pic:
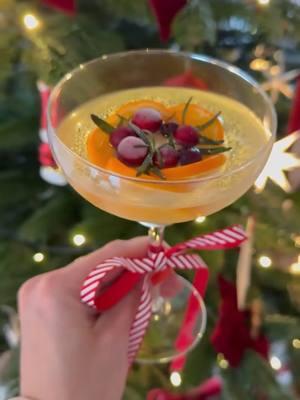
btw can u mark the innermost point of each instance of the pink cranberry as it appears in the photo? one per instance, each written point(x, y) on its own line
point(168, 156)
point(147, 118)
point(169, 128)
point(186, 135)
point(119, 134)
point(189, 156)
point(132, 151)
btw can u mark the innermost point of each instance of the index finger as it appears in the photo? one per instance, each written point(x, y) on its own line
point(77, 271)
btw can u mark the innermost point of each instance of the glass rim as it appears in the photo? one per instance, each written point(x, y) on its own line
point(222, 64)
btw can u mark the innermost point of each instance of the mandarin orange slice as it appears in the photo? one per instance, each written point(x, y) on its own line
point(98, 148)
point(171, 174)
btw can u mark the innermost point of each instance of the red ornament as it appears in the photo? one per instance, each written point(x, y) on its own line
point(187, 79)
point(294, 118)
point(165, 12)
point(48, 168)
point(45, 156)
point(209, 388)
point(231, 336)
point(67, 6)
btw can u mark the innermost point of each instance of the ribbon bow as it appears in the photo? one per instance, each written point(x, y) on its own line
point(151, 270)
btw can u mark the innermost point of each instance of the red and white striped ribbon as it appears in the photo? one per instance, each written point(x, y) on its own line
point(144, 268)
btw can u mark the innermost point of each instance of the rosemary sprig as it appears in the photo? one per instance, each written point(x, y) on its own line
point(168, 134)
point(103, 125)
point(209, 122)
point(159, 158)
point(214, 150)
point(122, 120)
point(171, 140)
point(156, 171)
point(145, 166)
point(141, 134)
point(184, 111)
point(152, 144)
point(204, 140)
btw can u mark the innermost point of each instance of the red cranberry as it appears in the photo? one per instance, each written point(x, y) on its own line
point(132, 151)
point(147, 118)
point(186, 135)
point(119, 134)
point(189, 156)
point(168, 156)
point(169, 128)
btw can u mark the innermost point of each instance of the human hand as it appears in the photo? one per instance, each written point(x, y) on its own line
point(69, 352)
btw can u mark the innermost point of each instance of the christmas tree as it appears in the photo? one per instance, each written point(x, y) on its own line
point(45, 224)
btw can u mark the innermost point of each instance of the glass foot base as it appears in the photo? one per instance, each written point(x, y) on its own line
point(177, 324)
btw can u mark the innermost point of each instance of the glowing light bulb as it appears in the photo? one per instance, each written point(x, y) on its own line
point(296, 343)
point(275, 363)
point(31, 22)
point(263, 2)
point(222, 362)
point(297, 241)
point(79, 239)
point(265, 261)
point(175, 378)
point(200, 220)
point(259, 64)
point(38, 257)
point(295, 267)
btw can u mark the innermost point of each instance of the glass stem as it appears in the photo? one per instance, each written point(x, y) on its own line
point(156, 237)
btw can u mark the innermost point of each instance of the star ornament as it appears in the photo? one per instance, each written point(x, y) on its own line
point(277, 79)
point(279, 161)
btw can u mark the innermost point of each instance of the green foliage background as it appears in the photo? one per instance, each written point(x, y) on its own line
point(38, 217)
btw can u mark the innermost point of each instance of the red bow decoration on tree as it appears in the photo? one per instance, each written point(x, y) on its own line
point(232, 334)
point(150, 270)
point(187, 79)
point(67, 6)
point(165, 12)
point(294, 117)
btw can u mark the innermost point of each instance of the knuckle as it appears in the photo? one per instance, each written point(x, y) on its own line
point(39, 292)
point(27, 290)
point(115, 245)
point(50, 286)
point(118, 243)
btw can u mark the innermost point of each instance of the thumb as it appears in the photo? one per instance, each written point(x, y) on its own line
point(118, 320)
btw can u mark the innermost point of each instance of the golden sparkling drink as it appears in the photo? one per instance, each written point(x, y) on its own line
point(163, 202)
